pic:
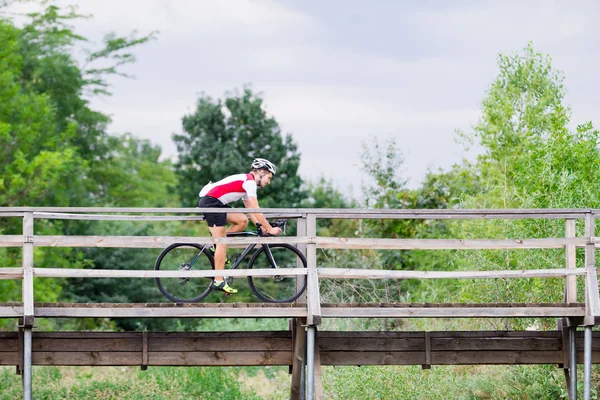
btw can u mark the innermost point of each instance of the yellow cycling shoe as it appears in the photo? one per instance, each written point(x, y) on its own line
point(224, 287)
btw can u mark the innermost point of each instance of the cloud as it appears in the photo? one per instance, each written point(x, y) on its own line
point(190, 20)
point(337, 74)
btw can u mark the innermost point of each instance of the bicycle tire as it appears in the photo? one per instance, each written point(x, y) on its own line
point(172, 258)
point(270, 290)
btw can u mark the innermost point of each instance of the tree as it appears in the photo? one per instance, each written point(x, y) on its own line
point(530, 160)
point(222, 138)
point(55, 151)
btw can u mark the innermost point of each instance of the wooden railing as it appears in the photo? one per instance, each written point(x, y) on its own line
point(309, 242)
point(311, 309)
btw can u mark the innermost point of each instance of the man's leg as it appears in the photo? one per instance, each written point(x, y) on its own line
point(238, 221)
point(221, 249)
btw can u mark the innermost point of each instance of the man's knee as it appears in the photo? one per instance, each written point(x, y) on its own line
point(240, 221)
point(243, 220)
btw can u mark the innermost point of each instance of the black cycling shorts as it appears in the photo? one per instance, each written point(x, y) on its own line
point(213, 219)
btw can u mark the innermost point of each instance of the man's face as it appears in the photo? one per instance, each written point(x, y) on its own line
point(264, 178)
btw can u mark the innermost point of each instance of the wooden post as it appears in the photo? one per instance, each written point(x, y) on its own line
point(313, 297)
point(571, 282)
point(427, 364)
point(592, 302)
point(592, 299)
point(299, 345)
point(28, 313)
point(301, 232)
point(144, 350)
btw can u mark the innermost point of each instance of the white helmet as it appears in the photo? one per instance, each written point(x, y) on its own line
point(261, 163)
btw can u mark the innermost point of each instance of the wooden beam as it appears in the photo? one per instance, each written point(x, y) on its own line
point(164, 312)
point(11, 240)
point(352, 273)
point(11, 273)
point(444, 358)
point(222, 359)
point(284, 358)
point(151, 241)
point(332, 212)
point(108, 273)
point(275, 348)
point(454, 312)
point(446, 244)
point(101, 217)
point(11, 358)
point(209, 310)
point(11, 311)
point(8, 214)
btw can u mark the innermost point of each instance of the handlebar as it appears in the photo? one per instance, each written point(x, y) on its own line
point(280, 223)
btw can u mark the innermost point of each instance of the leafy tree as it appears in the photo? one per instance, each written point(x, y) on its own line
point(55, 150)
point(222, 137)
point(531, 160)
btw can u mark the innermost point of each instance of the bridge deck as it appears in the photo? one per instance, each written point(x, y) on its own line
point(276, 348)
point(255, 310)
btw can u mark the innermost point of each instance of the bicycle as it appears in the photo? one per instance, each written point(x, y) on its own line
point(271, 289)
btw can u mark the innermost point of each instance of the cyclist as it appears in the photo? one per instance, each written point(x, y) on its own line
point(225, 191)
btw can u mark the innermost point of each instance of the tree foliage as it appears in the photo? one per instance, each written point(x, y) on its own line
point(531, 159)
point(222, 137)
point(54, 149)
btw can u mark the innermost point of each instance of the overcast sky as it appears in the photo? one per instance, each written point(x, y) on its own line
point(335, 74)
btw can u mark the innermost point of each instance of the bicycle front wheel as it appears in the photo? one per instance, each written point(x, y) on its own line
point(278, 289)
point(184, 257)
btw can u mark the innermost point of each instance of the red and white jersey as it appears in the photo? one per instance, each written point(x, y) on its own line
point(232, 188)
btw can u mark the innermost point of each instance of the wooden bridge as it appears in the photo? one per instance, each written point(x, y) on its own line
point(301, 347)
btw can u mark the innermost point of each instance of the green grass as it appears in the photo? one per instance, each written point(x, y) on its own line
point(271, 383)
point(128, 383)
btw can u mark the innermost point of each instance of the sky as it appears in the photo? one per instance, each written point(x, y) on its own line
point(338, 75)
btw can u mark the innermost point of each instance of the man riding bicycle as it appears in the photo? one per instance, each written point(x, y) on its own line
point(223, 192)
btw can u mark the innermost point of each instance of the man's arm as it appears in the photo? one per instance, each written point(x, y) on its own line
point(252, 202)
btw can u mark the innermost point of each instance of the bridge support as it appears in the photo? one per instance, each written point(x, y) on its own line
point(310, 363)
point(27, 364)
point(587, 364)
point(572, 383)
point(314, 385)
point(297, 389)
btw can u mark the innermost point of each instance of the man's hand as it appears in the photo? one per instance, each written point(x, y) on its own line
point(274, 231)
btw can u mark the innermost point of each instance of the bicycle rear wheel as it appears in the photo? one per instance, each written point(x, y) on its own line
point(278, 289)
point(181, 257)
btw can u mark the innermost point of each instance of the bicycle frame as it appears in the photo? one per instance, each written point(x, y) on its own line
point(248, 249)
